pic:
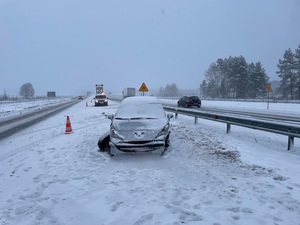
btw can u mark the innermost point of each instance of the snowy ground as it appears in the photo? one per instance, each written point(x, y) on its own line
point(207, 177)
point(14, 109)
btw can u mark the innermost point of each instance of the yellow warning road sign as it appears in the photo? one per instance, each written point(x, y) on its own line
point(269, 88)
point(143, 88)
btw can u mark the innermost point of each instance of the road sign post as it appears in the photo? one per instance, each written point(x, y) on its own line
point(143, 88)
point(268, 90)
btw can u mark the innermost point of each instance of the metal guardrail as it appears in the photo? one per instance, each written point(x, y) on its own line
point(273, 127)
point(18, 122)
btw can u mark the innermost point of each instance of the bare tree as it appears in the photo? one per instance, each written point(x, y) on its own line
point(26, 90)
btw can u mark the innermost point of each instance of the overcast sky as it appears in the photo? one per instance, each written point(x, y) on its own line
point(68, 46)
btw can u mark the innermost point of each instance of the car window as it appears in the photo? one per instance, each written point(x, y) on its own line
point(194, 98)
point(100, 96)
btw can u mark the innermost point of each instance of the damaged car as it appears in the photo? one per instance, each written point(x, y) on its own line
point(140, 124)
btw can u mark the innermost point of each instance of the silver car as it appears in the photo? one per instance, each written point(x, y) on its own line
point(140, 124)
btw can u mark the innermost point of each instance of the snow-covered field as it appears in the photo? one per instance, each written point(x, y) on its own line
point(14, 109)
point(207, 176)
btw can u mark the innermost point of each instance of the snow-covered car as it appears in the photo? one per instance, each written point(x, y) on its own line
point(140, 124)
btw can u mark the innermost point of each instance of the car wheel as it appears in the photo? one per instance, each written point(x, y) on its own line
point(103, 143)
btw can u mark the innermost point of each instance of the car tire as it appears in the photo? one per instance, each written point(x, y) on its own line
point(103, 143)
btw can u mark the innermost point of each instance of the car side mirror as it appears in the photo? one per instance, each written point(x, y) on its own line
point(169, 115)
point(110, 116)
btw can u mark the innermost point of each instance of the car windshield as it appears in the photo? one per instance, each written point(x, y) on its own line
point(100, 96)
point(140, 108)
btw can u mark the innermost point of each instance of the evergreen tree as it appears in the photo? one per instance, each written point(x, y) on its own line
point(297, 61)
point(258, 80)
point(287, 74)
point(203, 89)
point(252, 81)
point(222, 68)
point(238, 76)
point(213, 81)
point(171, 90)
point(263, 79)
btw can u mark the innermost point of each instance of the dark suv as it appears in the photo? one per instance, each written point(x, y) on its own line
point(189, 101)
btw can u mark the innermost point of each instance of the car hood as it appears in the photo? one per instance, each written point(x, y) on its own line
point(139, 124)
point(139, 129)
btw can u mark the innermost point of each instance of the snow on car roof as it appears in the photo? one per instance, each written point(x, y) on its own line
point(140, 100)
point(140, 107)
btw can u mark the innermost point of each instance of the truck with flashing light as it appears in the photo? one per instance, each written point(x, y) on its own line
point(100, 97)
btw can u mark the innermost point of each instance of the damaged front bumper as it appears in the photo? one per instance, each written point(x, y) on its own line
point(138, 146)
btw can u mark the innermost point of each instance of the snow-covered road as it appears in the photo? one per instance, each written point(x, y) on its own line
point(207, 177)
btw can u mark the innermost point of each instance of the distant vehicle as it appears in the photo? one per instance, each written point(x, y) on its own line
point(189, 101)
point(99, 89)
point(140, 124)
point(101, 100)
point(128, 92)
point(80, 97)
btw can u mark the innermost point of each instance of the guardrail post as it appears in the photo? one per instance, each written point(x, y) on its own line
point(196, 120)
point(228, 128)
point(290, 142)
point(176, 115)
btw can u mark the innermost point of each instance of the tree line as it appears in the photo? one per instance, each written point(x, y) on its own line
point(233, 77)
point(171, 90)
point(289, 74)
point(26, 90)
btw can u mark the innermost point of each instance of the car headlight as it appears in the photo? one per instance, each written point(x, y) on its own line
point(164, 131)
point(115, 134)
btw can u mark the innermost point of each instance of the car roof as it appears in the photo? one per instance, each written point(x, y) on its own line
point(140, 100)
point(140, 107)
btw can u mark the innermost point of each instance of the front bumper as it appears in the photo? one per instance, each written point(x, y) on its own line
point(101, 103)
point(145, 146)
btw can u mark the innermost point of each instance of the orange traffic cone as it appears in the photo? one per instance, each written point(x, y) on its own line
point(68, 126)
